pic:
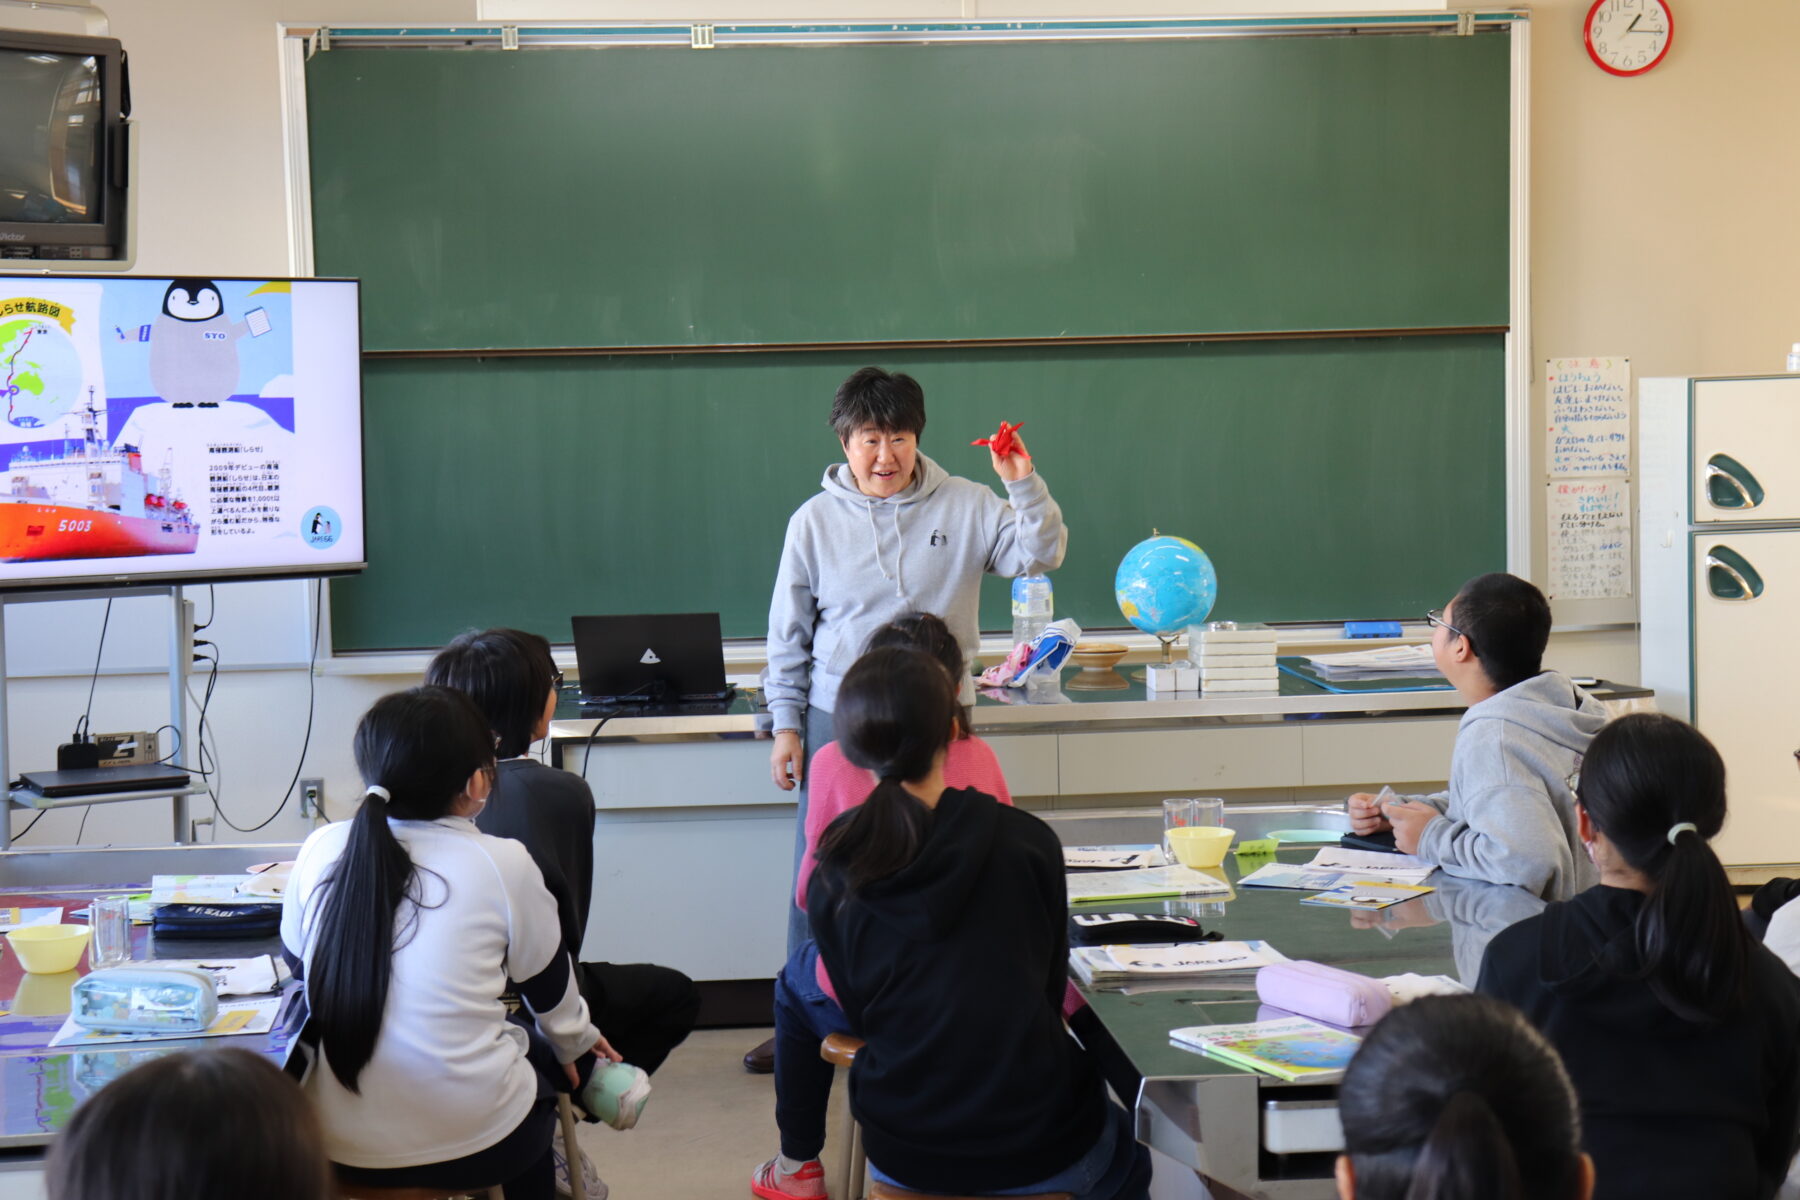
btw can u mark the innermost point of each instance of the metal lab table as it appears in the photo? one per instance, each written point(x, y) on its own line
point(693, 840)
point(1207, 1114)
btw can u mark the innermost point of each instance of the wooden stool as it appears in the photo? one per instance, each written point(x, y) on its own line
point(839, 1050)
point(565, 1115)
point(889, 1191)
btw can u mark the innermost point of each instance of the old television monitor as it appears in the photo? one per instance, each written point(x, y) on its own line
point(64, 154)
point(172, 430)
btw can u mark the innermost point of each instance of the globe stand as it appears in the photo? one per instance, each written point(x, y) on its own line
point(1168, 641)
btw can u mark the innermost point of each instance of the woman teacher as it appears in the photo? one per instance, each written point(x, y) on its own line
point(890, 532)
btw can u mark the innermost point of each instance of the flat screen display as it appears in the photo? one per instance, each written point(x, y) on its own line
point(52, 138)
point(163, 430)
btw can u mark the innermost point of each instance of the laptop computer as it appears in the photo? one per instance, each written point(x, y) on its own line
point(94, 781)
point(650, 658)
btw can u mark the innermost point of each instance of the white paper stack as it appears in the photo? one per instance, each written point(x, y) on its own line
point(1388, 662)
point(1234, 658)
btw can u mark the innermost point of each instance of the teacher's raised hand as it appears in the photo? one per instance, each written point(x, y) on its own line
point(1014, 466)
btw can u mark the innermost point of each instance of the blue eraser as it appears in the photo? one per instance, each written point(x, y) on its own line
point(1371, 629)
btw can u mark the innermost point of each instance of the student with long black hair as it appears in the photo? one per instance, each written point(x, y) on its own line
point(1681, 1032)
point(1458, 1098)
point(941, 916)
point(406, 923)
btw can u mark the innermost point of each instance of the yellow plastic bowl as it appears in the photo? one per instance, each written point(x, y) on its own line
point(48, 949)
point(1199, 846)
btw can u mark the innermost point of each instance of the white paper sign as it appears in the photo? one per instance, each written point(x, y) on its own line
point(1590, 539)
point(1588, 405)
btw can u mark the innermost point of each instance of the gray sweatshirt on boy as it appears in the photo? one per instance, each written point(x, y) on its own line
point(1510, 813)
point(851, 563)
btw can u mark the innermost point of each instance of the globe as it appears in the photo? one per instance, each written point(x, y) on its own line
point(1165, 584)
point(40, 372)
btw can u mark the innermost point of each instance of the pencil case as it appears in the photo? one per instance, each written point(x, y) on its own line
point(1323, 993)
point(144, 1000)
point(217, 921)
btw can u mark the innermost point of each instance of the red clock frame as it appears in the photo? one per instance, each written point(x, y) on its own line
point(1587, 39)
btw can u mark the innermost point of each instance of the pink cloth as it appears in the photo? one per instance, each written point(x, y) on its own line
point(835, 785)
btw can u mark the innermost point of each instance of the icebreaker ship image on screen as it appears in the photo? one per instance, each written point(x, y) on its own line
point(169, 430)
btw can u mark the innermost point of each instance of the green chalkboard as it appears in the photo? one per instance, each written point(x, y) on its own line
point(645, 196)
point(1333, 478)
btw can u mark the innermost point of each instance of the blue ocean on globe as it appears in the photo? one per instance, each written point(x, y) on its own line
point(1166, 584)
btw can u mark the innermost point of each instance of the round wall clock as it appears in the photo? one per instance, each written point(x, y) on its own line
point(1628, 37)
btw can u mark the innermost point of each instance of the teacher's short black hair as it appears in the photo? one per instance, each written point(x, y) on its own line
point(890, 402)
point(1507, 622)
point(508, 673)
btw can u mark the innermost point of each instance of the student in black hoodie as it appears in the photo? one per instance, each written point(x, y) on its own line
point(941, 916)
point(1681, 1032)
point(647, 1009)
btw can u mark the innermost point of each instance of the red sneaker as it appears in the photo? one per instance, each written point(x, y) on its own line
point(808, 1183)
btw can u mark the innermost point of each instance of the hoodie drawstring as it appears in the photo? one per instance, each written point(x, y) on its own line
point(896, 577)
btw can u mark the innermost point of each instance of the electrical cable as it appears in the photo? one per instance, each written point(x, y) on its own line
point(82, 727)
point(306, 740)
point(212, 609)
point(80, 829)
point(587, 755)
point(28, 825)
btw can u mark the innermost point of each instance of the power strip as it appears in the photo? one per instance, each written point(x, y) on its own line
point(126, 749)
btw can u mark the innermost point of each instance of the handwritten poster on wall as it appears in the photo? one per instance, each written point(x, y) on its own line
point(1590, 539)
point(1588, 406)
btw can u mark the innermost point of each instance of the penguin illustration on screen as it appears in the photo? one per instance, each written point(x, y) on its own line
point(193, 346)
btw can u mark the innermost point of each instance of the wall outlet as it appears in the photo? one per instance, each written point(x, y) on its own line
point(312, 797)
point(126, 749)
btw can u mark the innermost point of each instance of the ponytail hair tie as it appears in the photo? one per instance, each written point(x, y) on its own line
point(375, 789)
point(1677, 830)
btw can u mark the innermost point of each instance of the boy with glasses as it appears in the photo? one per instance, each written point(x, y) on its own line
point(1509, 815)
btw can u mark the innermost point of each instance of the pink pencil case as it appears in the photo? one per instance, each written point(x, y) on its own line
point(1323, 993)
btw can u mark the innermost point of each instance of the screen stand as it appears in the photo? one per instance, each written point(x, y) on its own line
point(181, 657)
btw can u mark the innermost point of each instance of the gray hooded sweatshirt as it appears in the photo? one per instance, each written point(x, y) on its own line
point(851, 563)
point(1510, 810)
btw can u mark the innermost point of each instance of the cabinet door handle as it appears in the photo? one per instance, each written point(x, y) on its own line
point(1715, 563)
point(1746, 500)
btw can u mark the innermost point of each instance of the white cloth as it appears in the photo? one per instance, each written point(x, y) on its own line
point(449, 1075)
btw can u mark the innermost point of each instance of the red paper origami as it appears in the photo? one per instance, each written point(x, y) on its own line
point(1002, 442)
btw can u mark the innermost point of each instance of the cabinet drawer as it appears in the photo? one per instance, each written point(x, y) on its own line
point(1180, 760)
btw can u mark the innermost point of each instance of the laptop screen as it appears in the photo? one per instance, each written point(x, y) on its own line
point(650, 658)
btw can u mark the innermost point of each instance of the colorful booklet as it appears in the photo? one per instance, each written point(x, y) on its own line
point(1366, 893)
point(1292, 1048)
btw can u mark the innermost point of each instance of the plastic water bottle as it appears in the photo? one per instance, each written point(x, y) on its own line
point(1032, 606)
point(1793, 365)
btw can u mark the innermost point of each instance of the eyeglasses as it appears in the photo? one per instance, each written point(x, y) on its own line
point(556, 681)
point(1436, 617)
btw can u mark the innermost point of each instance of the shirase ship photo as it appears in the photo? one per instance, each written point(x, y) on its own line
point(91, 500)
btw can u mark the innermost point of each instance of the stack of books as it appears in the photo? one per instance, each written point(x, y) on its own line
point(1234, 658)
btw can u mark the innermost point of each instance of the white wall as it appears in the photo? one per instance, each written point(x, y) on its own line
point(1660, 220)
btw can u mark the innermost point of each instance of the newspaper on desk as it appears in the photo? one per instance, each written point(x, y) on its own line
point(236, 976)
point(1185, 960)
point(1088, 886)
point(1089, 858)
point(1372, 864)
point(19, 918)
point(1398, 661)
